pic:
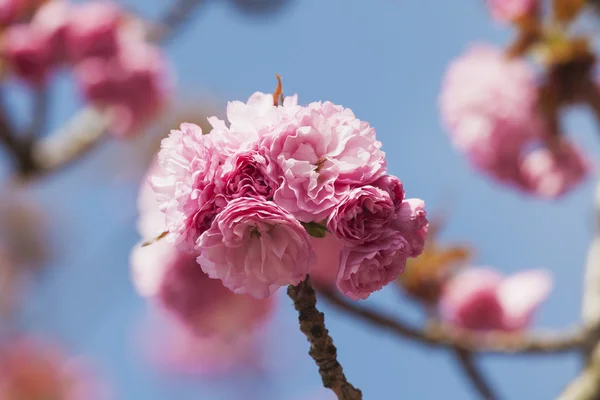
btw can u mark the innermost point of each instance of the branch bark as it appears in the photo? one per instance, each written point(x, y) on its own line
point(467, 362)
point(322, 349)
point(447, 337)
point(586, 386)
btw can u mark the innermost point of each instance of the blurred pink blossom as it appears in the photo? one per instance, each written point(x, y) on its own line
point(27, 51)
point(511, 10)
point(176, 281)
point(328, 251)
point(131, 86)
point(489, 105)
point(93, 30)
point(482, 299)
point(34, 369)
point(177, 350)
point(552, 174)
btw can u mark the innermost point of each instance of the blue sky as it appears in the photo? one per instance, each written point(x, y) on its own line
point(384, 59)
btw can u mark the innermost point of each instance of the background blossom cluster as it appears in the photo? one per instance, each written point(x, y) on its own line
point(115, 68)
point(246, 196)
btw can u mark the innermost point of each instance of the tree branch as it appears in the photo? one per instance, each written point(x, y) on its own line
point(40, 113)
point(467, 363)
point(447, 337)
point(322, 349)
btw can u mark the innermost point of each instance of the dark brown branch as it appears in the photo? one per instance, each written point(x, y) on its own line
point(447, 337)
point(322, 349)
point(475, 376)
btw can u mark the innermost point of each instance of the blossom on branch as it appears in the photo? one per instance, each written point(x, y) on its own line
point(246, 196)
point(481, 299)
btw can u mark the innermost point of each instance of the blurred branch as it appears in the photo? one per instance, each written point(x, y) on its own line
point(71, 142)
point(447, 337)
point(322, 349)
point(86, 129)
point(587, 385)
point(467, 363)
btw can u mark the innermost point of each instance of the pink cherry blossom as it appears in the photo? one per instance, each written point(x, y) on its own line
point(489, 104)
point(412, 223)
point(551, 174)
point(52, 18)
point(511, 10)
point(93, 30)
point(27, 51)
point(362, 215)
point(328, 251)
point(255, 247)
point(31, 368)
point(393, 186)
point(178, 284)
point(131, 87)
point(176, 350)
point(185, 184)
point(367, 268)
point(482, 299)
point(316, 154)
point(245, 175)
point(249, 122)
point(151, 221)
point(12, 10)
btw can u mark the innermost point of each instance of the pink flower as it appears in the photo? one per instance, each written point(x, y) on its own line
point(317, 153)
point(33, 369)
point(52, 18)
point(11, 10)
point(328, 251)
point(27, 51)
point(489, 105)
point(249, 122)
point(511, 10)
point(177, 350)
point(151, 221)
point(245, 175)
point(202, 304)
point(482, 299)
point(131, 87)
point(362, 215)
point(551, 175)
point(185, 184)
point(393, 186)
point(365, 269)
point(412, 223)
point(255, 247)
point(93, 30)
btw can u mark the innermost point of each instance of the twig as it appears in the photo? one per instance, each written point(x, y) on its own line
point(447, 337)
point(75, 139)
point(586, 386)
point(86, 129)
point(466, 361)
point(322, 349)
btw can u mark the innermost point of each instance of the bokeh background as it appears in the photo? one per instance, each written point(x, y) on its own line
point(384, 59)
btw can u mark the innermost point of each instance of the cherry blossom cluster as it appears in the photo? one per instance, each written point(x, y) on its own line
point(31, 368)
point(115, 68)
point(251, 197)
point(481, 299)
point(490, 105)
point(493, 106)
